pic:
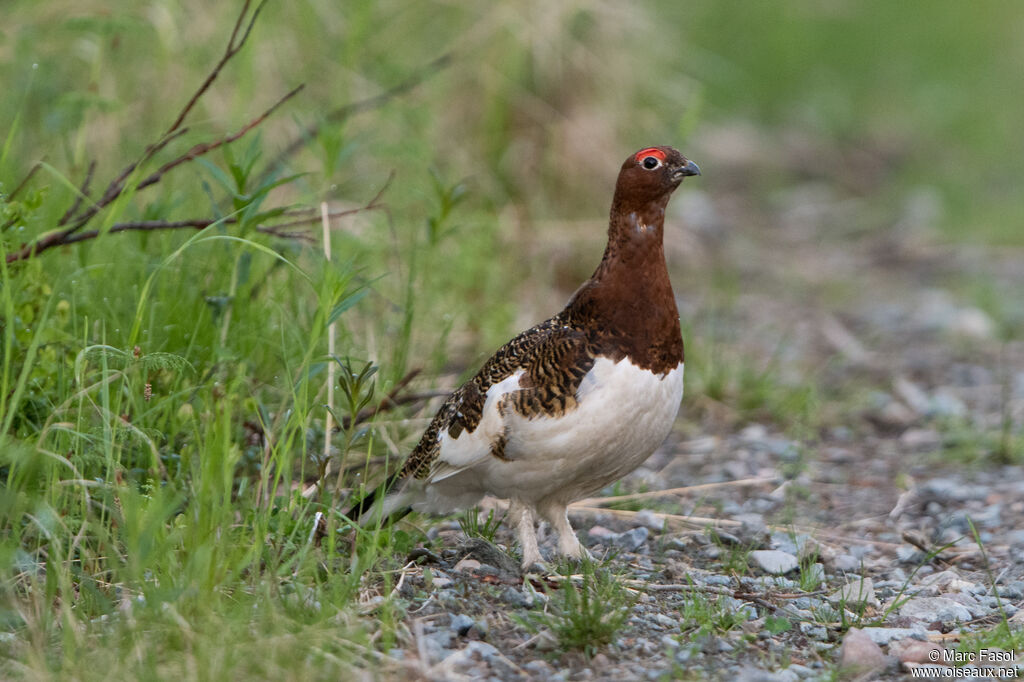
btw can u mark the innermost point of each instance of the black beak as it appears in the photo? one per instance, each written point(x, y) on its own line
point(689, 169)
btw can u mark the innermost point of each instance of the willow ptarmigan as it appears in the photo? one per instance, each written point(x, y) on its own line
point(576, 402)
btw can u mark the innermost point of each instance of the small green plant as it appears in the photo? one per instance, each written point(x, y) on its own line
point(735, 557)
point(777, 624)
point(707, 614)
point(587, 615)
point(471, 526)
point(811, 575)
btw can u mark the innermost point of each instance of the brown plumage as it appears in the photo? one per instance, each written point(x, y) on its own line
point(617, 340)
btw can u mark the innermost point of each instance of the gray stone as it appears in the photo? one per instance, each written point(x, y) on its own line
point(970, 603)
point(516, 598)
point(815, 574)
point(1014, 590)
point(539, 668)
point(847, 563)
point(631, 540)
point(946, 490)
point(481, 651)
point(648, 519)
point(931, 609)
point(665, 621)
point(814, 631)
point(716, 580)
point(855, 594)
point(773, 561)
point(861, 551)
point(436, 643)
point(461, 623)
point(752, 530)
point(883, 636)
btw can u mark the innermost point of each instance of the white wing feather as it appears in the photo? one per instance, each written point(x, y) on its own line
point(459, 454)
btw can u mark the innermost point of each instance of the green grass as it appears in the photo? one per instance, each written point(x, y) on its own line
point(162, 393)
point(584, 616)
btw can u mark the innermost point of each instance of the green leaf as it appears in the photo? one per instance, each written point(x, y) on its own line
point(777, 624)
point(347, 303)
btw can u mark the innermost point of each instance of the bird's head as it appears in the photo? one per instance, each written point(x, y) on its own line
point(652, 174)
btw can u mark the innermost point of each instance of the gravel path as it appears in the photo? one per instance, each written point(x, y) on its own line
point(869, 542)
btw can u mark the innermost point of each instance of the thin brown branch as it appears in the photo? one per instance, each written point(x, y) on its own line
point(282, 234)
point(345, 111)
point(25, 180)
point(116, 186)
point(83, 193)
point(234, 45)
point(63, 237)
point(141, 226)
point(372, 205)
point(67, 236)
point(207, 147)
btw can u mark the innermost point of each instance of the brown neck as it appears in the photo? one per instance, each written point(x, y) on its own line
point(629, 299)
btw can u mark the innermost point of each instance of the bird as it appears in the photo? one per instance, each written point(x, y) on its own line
point(572, 404)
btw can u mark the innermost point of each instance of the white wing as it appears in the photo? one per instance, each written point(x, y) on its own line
point(470, 448)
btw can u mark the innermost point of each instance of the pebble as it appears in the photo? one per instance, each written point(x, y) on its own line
point(931, 609)
point(539, 668)
point(517, 598)
point(774, 561)
point(631, 540)
point(914, 651)
point(855, 594)
point(648, 519)
point(846, 563)
point(946, 489)
point(665, 621)
point(884, 636)
point(600, 533)
point(751, 674)
point(860, 654)
point(461, 624)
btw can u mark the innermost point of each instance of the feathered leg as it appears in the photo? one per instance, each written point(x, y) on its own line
point(568, 544)
point(522, 516)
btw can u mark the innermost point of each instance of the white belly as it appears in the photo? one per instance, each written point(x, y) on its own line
point(623, 414)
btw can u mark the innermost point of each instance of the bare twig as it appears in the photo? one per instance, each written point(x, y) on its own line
point(239, 35)
point(83, 193)
point(67, 236)
point(17, 190)
point(206, 147)
point(138, 226)
point(234, 45)
point(601, 501)
point(347, 110)
point(25, 180)
point(373, 204)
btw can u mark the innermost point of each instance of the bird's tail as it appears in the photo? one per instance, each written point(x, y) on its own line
point(393, 504)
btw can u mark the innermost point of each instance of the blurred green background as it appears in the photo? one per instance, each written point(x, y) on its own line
point(152, 368)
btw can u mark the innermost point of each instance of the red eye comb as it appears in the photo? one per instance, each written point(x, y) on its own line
point(650, 151)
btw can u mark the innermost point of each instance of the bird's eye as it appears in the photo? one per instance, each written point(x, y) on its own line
point(651, 162)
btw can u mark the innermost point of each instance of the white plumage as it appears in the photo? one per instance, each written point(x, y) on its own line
point(623, 413)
